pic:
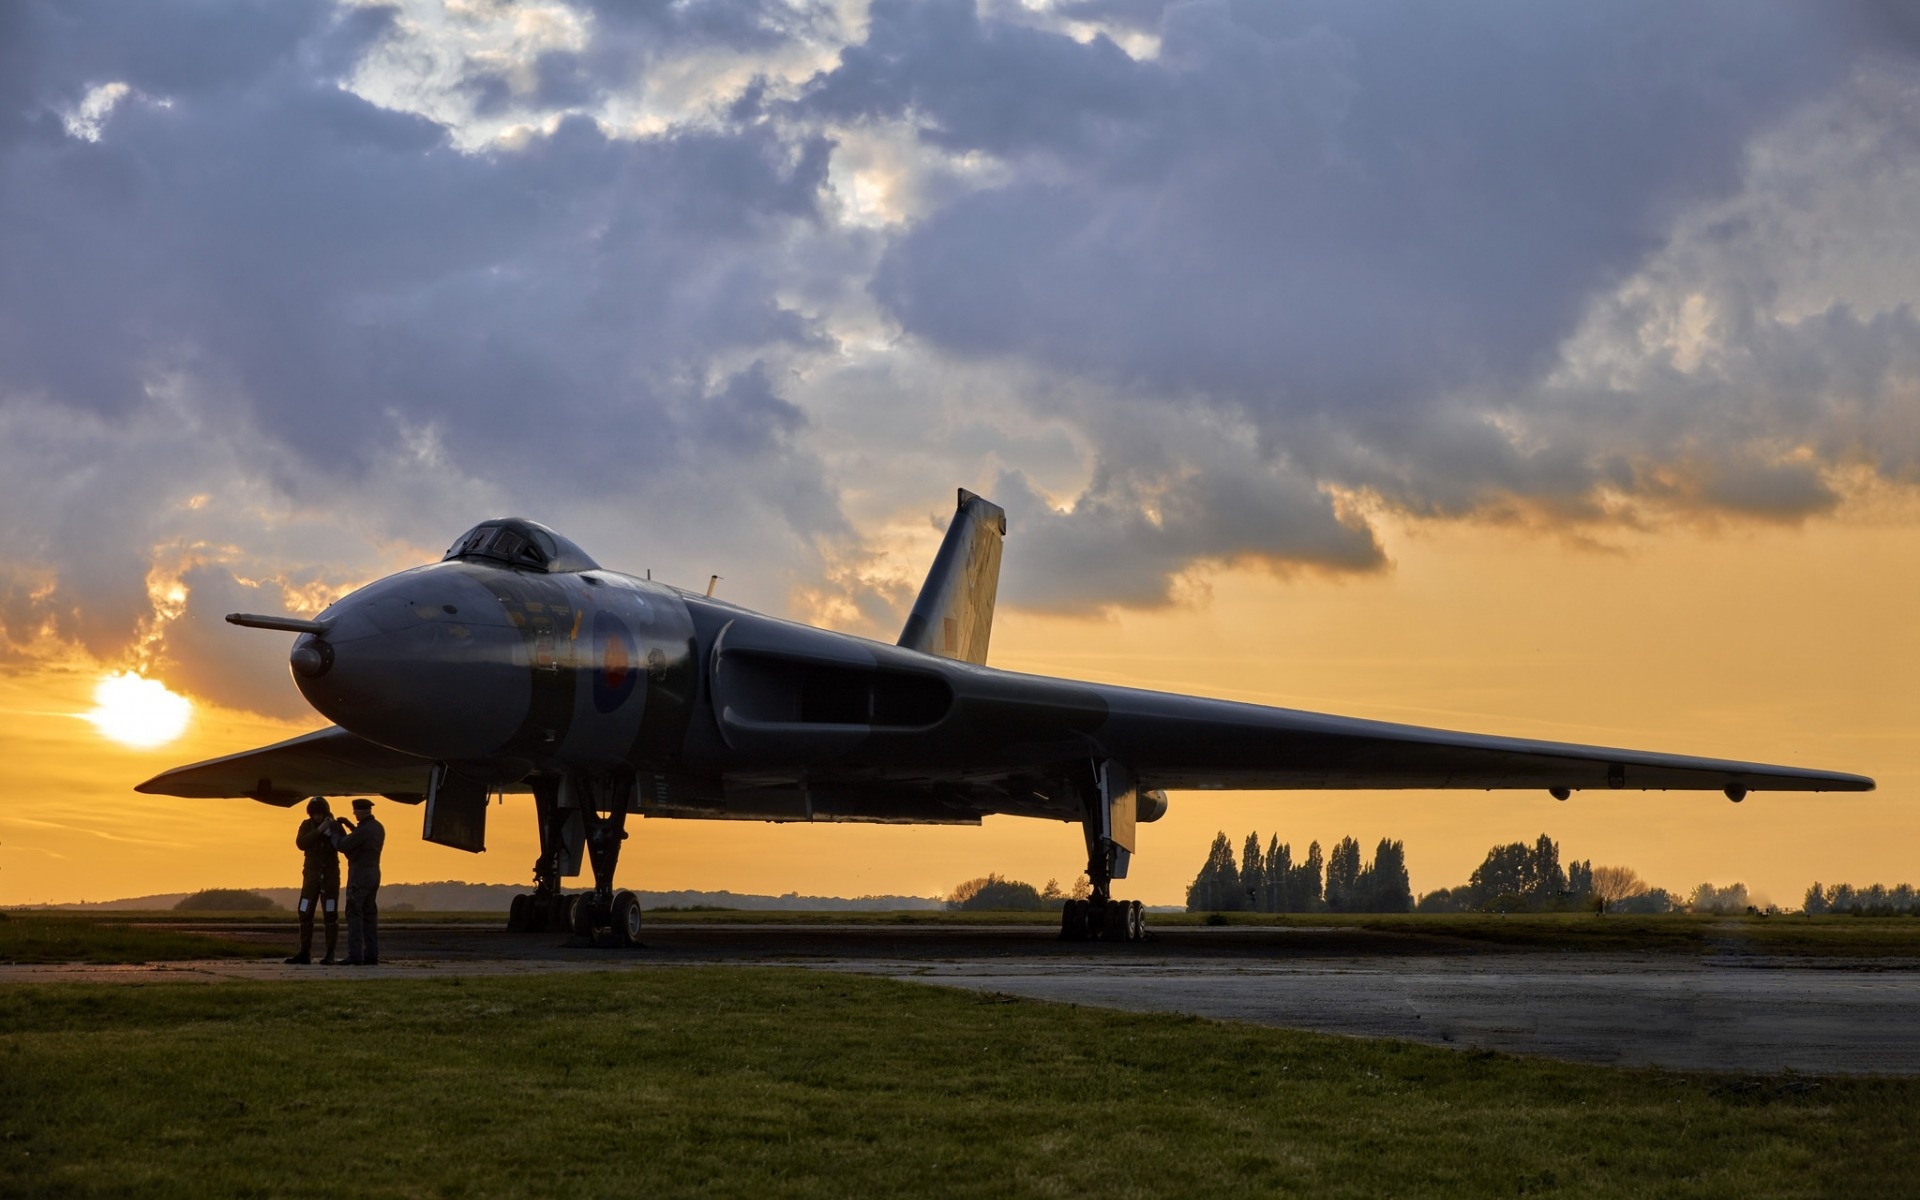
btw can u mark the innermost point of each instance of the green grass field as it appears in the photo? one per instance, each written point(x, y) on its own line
point(38, 938)
point(768, 1082)
point(174, 916)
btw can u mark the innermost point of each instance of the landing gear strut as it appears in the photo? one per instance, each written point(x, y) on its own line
point(604, 917)
point(1108, 803)
point(547, 908)
point(575, 813)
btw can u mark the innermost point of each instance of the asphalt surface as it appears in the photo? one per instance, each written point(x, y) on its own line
point(1740, 1012)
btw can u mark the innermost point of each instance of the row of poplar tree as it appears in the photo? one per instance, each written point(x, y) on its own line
point(1269, 880)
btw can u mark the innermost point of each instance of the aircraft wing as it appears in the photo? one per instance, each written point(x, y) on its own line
point(780, 697)
point(1190, 742)
point(329, 761)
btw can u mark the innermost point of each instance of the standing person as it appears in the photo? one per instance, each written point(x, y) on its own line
point(361, 841)
point(319, 878)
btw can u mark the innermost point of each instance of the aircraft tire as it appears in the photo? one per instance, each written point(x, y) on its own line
point(1114, 921)
point(580, 917)
point(626, 919)
point(517, 913)
point(1137, 922)
point(1073, 921)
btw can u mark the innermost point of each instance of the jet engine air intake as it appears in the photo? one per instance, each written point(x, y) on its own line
point(764, 689)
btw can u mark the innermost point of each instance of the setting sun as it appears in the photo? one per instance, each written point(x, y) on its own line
point(138, 712)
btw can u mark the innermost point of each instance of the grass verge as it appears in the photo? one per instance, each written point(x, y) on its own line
point(33, 938)
point(282, 917)
point(1683, 933)
point(771, 1082)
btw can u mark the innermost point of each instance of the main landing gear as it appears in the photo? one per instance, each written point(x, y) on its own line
point(579, 813)
point(1109, 804)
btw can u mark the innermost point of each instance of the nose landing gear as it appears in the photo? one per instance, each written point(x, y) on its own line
point(575, 813)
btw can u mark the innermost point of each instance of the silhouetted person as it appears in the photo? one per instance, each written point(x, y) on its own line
point(319, 878)
point(361, 841)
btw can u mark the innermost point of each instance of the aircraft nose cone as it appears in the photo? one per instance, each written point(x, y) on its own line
point(427, 663)
point(312, 657)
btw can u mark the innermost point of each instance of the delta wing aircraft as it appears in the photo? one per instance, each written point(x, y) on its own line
point(518, 664)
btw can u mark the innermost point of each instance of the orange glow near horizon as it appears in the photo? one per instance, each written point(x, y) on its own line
point(1794, 646)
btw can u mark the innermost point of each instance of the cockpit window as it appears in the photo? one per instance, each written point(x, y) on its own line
point(520, 543)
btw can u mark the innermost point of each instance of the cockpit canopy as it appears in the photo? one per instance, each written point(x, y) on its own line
point(521, 543)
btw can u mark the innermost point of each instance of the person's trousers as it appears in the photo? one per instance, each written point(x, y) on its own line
point(319, 892)
point(363, 925)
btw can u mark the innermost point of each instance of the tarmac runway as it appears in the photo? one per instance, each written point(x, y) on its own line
point(1737, 1012)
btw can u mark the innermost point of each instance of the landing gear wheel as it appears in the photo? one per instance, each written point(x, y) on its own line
point(1137, 922)
point(1116, 920)
point(517, 914)
point(581, 918)
point(1073, 921)
point(626, 919)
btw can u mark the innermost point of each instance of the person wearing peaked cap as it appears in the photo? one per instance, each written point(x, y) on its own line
point(361, 840)
point(319, 879)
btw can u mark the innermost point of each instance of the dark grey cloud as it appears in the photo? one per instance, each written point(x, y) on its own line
point(302, 302)
point(1130, 537)
point(1365, 233)
point(1311, 208)
point(261, 336)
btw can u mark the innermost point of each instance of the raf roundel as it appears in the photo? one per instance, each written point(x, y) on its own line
point(616, 671)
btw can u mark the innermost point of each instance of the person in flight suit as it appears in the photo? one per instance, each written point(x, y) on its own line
point(319, 879)
point(361, 841)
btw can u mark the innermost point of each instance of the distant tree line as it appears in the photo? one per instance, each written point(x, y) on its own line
point(1876, 901)
point(1709, 899)
point(996, 893)
point(225, 900)
point(1519, 878)
point(1269, 880)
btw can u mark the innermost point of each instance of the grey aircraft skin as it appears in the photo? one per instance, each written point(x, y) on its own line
point(518, 664)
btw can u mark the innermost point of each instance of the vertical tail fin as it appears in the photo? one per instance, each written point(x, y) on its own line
point(954, 615)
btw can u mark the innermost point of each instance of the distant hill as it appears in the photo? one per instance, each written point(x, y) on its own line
point(452, 896)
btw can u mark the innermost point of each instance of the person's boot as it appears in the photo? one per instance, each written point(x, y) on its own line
point(333, 934)
point(304, 954)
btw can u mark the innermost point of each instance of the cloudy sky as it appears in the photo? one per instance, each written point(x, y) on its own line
point(1239, 309)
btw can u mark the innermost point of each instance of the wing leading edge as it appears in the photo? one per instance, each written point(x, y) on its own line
point(329, 761)
point(1178, 742)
